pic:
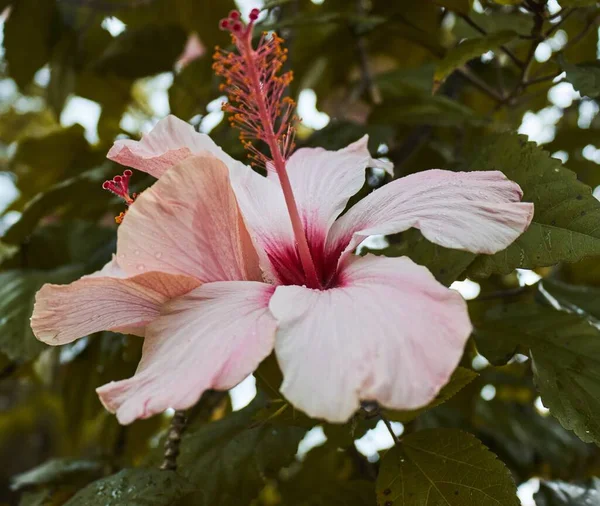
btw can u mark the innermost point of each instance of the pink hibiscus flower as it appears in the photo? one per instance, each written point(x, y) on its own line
point(207, 270)
point(217, 266)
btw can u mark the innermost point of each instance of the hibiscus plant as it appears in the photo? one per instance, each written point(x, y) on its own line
point(263, 309)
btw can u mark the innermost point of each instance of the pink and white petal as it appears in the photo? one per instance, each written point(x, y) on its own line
point(265, 213)
point(170, 142)
point(188, 223)
point(479, 212)
point(212, 338)
point(111, 270)
point(390, 333)
point(322, 182)
point(64, 313)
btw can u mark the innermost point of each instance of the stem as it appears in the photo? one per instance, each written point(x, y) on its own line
point(178, 425)
point(368, 82)
point(480, 84)
point(389, 428)
point(278, 161)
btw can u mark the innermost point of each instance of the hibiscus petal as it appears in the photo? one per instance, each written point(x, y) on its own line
point(212, 338)
point(170, 141)
point(390, 333)
point(64, 313)
point(479, 212)
point(322, 181)
point(263, 207)
point(188, 223)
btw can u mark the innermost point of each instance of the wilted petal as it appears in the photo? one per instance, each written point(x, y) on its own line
point(479, 212)
point(212, 338)
point(188, 223)
point(170, 141)
point(63, 313)
point(390, 333)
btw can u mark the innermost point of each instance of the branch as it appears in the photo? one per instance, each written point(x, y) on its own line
point(367, 81)
point(504, 49)
point(178, 425)
point(480, 84)
point(551, 31)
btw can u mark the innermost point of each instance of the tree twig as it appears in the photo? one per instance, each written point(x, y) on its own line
point(480, 84)
point(504, 49)
point(178, 425)
point(554, 28)
point(367, 82)
point(389, 427)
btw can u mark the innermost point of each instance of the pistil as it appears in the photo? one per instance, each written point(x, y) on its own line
point(260, 110)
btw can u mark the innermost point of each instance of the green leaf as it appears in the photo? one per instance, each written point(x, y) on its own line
point(560, 493)
point(58, 471)
point(192, 89)
point(44, 160)
point(229, 460)
point(584, 300)
point(468, 50)
point(585, 77)
point(134, 487)
point(460, 6)
point(446, 467)
point(144, 51)
point(445, 264)
point(460, 379)
point(423, 109)
point(578, 3)
point(565, 354)
point(17, 293)
point(28, 35)
point(564, 226)
point(82, 194)
point(62, 72)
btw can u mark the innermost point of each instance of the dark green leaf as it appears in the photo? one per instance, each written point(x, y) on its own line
point(559, 493)
point(584, 300)
point(192, 89)
point(17, 292)
point(468, 50)
point(44, 160)
point(28, 35)
point(420, 109)
point(446, 467)
point(58, 471)
point(62, 72)
point(134, 487)
point(564, 227)
point(460, 379)
point(229, 460)
point(565, 352)
point(82, 194)
point(141, 52)
point(585, 77)
point(461, 6)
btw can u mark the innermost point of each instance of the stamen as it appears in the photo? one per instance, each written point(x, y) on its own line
point(259, 108)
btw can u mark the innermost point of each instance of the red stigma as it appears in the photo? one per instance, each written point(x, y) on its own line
point(254, 14)
point(234, 15)
point(119, 185)
point(224, 24)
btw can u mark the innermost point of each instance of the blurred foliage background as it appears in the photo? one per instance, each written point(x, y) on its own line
point(436, 83)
